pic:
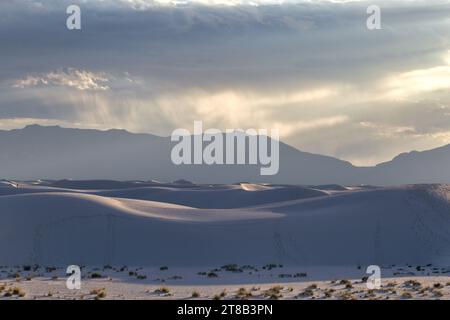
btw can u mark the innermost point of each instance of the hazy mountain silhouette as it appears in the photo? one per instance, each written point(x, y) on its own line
point(37, 152)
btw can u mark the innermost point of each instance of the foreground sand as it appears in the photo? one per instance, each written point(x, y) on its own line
point(266, 282)
point(223, 241)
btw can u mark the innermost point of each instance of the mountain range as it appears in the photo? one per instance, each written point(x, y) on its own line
point(53, 152)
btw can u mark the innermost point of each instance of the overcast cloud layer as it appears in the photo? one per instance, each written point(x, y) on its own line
point(310, 68)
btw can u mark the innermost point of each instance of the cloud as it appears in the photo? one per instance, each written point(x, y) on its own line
point(70, 77)
point(310, 68)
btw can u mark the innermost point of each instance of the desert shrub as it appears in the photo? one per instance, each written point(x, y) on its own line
point(231, 268)
point(99, 293)
point(243, 293)
point(306, 293)
point(212, 275)
point(391, 284)
point(300, 275)
point(345, 282)
point(406, 295)
point(412, 283)
point(162, 290)
point(273, 292)
point(328, 293)
point(269, 266)
point(163, 268)
point(96, 275)
point(345, 296)
point(312, 287)
point(195, 294)
point(15, 291)
point(141, 277)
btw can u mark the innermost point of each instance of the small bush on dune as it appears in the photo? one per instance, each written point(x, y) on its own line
point(15, 291)
point(274, 292)
point(99, 293)
point(412, 283)
point(231, 268)
point(243, 293)
point(164, 291)
point(406, 295)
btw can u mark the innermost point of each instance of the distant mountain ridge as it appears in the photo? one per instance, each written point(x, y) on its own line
point(41, 152)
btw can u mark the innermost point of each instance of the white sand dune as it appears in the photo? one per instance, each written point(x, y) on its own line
point(51, 226)
point(197, 196)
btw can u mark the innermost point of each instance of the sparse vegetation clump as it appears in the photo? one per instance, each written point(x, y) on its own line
point(391, 284)
point(438, 294)
point(195, 294)
point(271, 266)
point(212, 275)
point(328, 293)
point(406, 295)
point(412, 284)
point(346, 295)
point(163, 291)
point(14, 291)
point(345, 282)
point(232, 268)
point(438, 285)
point(99, 293)
point(274, 292)
point(306, 293)
point(96, 275)
point(243, 293)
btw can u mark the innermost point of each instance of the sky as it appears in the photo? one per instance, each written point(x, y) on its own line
point(311, 69)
